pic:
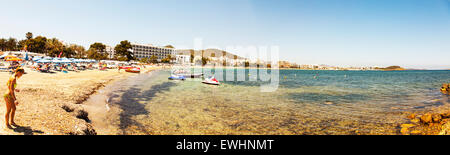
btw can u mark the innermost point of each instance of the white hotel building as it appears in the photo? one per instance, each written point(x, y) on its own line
point(110, 51)
point(146, 51)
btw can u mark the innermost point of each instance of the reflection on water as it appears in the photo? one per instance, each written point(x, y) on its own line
point(307, 102)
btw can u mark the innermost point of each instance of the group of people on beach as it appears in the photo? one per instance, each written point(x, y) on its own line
point(45, 67)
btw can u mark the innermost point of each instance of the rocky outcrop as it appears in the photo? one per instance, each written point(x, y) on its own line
point(427, 124)
point(445, 129)
point(431, 123)
point(84, 129)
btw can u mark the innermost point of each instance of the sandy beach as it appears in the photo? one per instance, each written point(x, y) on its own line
point(42, 97)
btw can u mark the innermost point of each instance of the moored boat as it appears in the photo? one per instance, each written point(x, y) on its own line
point(199, 75)
point(133, 70)
point(177, 77)
point(211, 81)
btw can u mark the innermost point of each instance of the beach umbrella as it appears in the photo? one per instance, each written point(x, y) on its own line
point(56, 61)
point(4, 55)
point(10, 57)
point(36, 58)
point(65, 61)
point(44, 61)
point(14, 59)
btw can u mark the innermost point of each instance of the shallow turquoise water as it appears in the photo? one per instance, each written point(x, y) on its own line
point(392, 87)
point(306, 102)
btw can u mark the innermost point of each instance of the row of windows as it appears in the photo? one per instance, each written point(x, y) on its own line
point(142, 56)
point(155, 50)
point(136, 47)
point(148, 55)
point(153, 53)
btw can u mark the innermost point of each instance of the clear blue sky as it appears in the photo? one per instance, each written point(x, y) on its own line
point(410, 33)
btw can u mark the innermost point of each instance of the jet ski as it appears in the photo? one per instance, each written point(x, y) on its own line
point(211, 81)
point(177, 77)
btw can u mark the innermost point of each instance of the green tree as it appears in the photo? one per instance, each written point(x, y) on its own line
point(192, 56)
point(153, 59)
point(28, 42)
point(93, 53)
point(3, 44)
point(205, 60)
point(68, 52)
point(99, 47)
point(21, 44)
point(11, 44)
point(122, 59)
point(38, 44)
point(143, 60)
point(80, 51)
point(29, 35)
point(168, 59)
point(54, 47)
point(123, 50)
point(97, 51)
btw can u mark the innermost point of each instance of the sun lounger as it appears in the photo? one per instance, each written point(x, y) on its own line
point(4, 69)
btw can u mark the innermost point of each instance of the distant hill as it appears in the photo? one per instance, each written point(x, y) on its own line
point(391, 68)
point(209, 53)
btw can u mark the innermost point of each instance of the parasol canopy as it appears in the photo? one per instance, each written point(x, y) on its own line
point(10, 57)
point(44, 61)
point(14, 59)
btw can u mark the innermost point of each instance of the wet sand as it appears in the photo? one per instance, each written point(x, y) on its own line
point(42, 96)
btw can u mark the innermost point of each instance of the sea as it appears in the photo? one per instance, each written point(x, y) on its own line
point(304, 102)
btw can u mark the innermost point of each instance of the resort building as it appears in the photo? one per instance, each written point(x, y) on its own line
point(147, 51)
point(215, 57)
point(110, 51)
point(182, 59)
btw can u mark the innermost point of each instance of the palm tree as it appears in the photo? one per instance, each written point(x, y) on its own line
point(54, 47)
point(29, 35)
point(153, 59)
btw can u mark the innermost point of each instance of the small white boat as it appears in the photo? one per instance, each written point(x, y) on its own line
point(211, 81)
point(188, 75)
point(176, 77)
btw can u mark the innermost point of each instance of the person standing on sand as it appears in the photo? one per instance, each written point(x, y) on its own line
point(10, 97)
